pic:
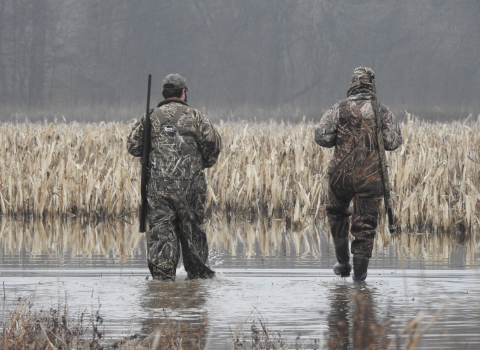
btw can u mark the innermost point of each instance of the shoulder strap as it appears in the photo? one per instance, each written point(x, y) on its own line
point(178, 113)
point(343, 107)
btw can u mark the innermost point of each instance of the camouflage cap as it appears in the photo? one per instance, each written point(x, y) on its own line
point(362, 72)
point(175, 81)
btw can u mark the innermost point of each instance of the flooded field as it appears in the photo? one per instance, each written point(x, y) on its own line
point(268, 274)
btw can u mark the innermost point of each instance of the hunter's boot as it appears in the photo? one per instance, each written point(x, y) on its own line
point(339, 226)
point(342, 267)
point(360, 267)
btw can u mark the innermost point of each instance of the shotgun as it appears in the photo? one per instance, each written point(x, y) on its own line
point(384, 166)
point(144, 160)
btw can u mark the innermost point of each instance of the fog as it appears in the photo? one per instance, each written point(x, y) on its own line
point(235, 54)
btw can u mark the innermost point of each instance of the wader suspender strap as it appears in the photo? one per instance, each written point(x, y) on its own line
point(178, 113)
point(343, 107)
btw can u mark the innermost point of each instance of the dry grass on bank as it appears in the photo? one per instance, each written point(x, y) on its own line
point(55, 328)
point(265, 169)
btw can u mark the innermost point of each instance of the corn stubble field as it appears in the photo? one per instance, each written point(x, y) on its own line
point(266, 169)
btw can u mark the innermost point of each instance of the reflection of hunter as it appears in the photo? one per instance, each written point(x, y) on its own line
point(183, 142)
point(355, 171)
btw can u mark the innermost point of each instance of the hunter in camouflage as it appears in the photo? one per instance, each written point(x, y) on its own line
point(183, 143)
point(354, 171)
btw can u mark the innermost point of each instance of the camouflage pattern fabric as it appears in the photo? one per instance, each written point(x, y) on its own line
point(175, 81)
point(176, 217)
point(363, 82)
point(363, 74)
point(176, 189)
point(354, 170)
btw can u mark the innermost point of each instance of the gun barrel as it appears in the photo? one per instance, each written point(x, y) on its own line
point(144, 161)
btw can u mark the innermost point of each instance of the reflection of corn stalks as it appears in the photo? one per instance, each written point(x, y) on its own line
point(271, 236)
point(271, 169)
point(428, 247)
point(56, 237)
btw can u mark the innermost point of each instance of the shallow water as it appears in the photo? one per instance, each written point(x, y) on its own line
point(266, 273)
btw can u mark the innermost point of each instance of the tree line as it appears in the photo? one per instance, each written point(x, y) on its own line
point(238, 52)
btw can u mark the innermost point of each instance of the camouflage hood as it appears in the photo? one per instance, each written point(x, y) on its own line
point(363, 83)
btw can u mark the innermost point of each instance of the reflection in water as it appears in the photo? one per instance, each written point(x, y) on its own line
point(267, 237)
point(270, 236)
point(283, 274)
point(437, 246)
point(339, 317)
point(176, 308)
point(352, 320)
point(35, 242)
point(58, 241)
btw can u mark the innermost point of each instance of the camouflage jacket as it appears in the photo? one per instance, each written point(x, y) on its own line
point(355, 136)
point(198, 144)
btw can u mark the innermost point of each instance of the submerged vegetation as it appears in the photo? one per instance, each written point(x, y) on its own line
point(267, 169)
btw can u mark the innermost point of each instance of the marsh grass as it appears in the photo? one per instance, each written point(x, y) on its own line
point(259, 336)
point(268, 169)
point(50, 328)
point(56, 328)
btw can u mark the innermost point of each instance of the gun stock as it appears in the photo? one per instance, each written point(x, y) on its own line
point(145, 159)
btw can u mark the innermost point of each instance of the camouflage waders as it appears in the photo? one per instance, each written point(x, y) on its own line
point(366, 192)
point(176, 217)
point(354, 171)
point(183, 143)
